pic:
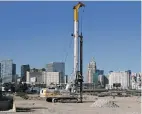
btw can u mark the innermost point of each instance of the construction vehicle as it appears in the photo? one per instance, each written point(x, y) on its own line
point(70, 92)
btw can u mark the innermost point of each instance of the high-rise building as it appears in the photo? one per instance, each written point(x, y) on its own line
point(52, 78)
point(57, 67)
point(8, 71)
point(119, 78)
point(91, 70)
point(24, 69)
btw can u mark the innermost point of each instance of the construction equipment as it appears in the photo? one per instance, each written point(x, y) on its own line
point(70, 92)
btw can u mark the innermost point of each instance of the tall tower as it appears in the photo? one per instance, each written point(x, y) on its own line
point(91, 70)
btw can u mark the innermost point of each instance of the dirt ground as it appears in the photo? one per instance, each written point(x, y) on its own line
point(127, 105)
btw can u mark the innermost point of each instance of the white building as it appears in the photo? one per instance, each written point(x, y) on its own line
point(101, 80)
point(44, 77)
point(139, 83)
point(90, 76)
point(34, 77)
point(122, 78)
point(27, 77)
point(133, 80)
point(56, 67)
point(136, 81)
point(52, 78)
point(91, 70)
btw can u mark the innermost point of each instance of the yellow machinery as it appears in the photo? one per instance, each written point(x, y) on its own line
point(48, 93)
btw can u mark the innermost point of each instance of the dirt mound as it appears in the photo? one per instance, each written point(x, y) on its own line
point(104, 103)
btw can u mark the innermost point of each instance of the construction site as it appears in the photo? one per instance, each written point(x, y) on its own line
point(72, 99)
point(91, 104)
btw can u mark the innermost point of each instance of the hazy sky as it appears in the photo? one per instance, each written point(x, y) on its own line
point(37, 33)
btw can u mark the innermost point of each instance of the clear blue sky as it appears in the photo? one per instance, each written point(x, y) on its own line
point(36, 33)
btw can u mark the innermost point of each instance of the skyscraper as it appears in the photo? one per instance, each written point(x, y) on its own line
point(24, 69)
point(8, 71)
point(57, 67)
point(91, 70)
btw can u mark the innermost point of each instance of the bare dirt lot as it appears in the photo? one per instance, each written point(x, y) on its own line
point(91, 105)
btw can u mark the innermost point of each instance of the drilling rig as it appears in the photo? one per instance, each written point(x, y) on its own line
point(77, 72)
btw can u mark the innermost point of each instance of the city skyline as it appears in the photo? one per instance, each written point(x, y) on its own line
point(35, 38)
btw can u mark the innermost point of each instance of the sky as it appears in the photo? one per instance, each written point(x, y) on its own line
point(37, 33)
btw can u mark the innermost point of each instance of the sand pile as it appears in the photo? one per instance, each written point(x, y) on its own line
point(104, 103)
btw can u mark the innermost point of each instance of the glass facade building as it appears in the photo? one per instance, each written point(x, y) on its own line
point(24, 69)
point(57, 67)
point(8, 71)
